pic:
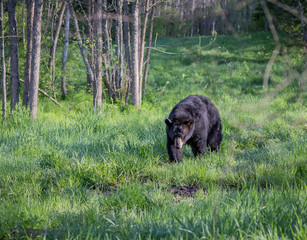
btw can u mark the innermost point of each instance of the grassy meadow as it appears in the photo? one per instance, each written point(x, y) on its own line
point(73, 174)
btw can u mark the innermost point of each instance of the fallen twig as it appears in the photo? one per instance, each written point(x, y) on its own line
point(43, 92)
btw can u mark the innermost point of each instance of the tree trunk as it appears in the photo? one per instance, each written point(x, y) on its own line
point(3, 72)
point(119, 43)
point(27, 71)
point(23, 25)
point(65, 51)
point(90, 37)
point(35, 65)
point(136, 100)
point(126, 32)
point(81, 46)
point(152, 15)
point(97, 84)
point(127, 36)
point(106, 48)
point(142, 44)
point(14, 54)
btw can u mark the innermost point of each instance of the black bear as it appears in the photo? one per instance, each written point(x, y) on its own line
point(194, 121)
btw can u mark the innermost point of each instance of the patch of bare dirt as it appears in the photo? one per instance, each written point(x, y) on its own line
point(183, 191)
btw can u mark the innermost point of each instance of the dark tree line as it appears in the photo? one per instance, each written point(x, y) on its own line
point(202, 17)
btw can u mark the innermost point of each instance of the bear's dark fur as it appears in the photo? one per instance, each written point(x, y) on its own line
point(194, 121)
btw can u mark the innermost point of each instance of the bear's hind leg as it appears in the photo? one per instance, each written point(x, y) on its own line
point(215, 137)
point(198, 148)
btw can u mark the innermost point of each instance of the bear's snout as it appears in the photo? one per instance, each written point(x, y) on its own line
point(178, 143)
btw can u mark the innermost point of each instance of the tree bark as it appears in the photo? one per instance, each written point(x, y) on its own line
point(81, 46)
point(14, 54)
point(136, 100)
point(23, 25)
point(119, 43)
point(152, 15)
point(35, 65)
point(106, 49)
point(97, 84)
point(27, 71)
point(126, 33)
point(65, 51)
point(3, 72)
point(142, 44)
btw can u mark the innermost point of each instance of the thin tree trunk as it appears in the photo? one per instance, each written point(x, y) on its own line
point(152, 15)
point(121, 34)
point(97, 84)
point(126, 32)
point(81, 46)
point(302, 22)
point(106, 48)
point(27, 71)
point(127, 36)
point(54, 45)
point(91, 48)
point(142, 44)
point(23, 25)
point(3, 72)
point(136, 100)
point(120, 46)
point(65, 51)
point(14, 54)
point(35, 66)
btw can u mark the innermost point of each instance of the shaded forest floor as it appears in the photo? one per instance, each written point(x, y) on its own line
point(72, 174)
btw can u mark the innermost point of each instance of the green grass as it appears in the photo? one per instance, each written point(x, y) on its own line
point(76, 175)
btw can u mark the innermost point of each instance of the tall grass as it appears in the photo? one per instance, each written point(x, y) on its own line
point(72, 174)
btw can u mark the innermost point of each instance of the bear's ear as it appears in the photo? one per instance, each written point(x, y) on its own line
point(190, 122)
point(168, 122)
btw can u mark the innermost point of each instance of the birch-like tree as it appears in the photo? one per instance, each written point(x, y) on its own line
point(97, 84)
point(135, 85)
point(35, 65)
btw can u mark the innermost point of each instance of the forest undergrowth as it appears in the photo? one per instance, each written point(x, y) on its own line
point(74, 174)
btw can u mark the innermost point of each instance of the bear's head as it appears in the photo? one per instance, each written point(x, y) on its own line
point(179, 130)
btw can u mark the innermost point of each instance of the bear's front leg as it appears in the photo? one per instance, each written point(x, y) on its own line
point(173, 152)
